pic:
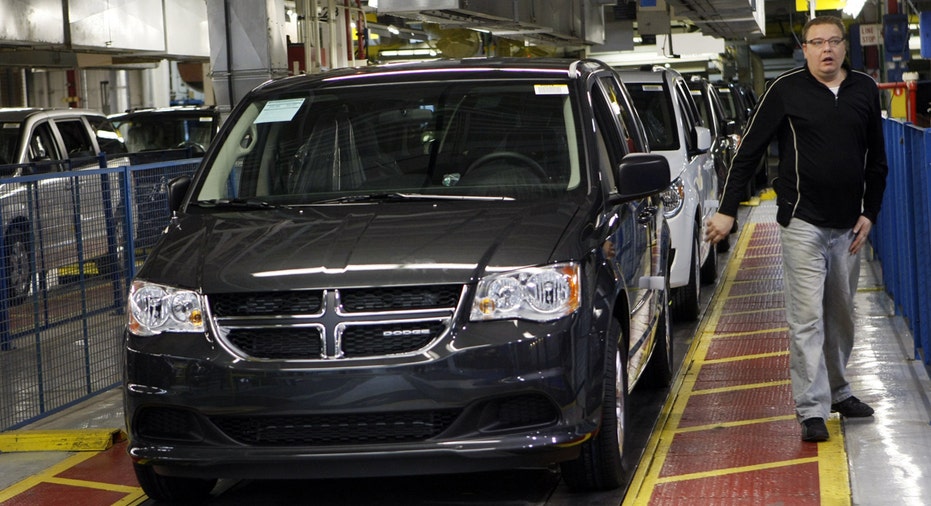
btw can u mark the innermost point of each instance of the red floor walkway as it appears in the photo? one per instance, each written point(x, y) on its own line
point(729, 433)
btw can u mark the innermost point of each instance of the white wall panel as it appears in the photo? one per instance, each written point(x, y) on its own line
point(31, 21)
point(117, 24)
point(186, 31)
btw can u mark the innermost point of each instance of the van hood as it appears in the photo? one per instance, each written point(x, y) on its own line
point(359, 245)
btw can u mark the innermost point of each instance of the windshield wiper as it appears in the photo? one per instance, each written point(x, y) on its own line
point(369, 197)
point(398, 196)
point(253, 203)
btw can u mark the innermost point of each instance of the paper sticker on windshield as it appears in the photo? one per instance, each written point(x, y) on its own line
point(551, 89)
point(279, 110)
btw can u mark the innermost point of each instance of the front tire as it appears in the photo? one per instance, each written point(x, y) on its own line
point(685, 299)
point(659, 370)
point(600, 465)
point(709, 269)
point(20, 269)
point(172, 488)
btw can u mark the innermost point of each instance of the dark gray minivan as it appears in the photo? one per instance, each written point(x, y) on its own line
point(427, 268)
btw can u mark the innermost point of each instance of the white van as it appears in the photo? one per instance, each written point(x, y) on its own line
point(673, 126)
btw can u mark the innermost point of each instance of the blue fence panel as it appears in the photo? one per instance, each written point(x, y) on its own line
point(902, 236)
point(69, 246)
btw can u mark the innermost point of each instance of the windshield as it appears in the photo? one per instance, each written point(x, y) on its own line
point(159, 131)
point(503, 139)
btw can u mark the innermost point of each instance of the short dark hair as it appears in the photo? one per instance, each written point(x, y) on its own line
point(823, 20)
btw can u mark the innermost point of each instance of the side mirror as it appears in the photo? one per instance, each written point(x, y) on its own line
point(177, 189)
point(702, 139)
point(640, 175)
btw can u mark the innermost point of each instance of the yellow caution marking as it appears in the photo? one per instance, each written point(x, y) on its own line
point(134, 495)
point(738, 388)
point(112, 487)
point(768, 194)
point(747, 357)
point(833, 474)
point(725, 335)
point(22, 486)
point(831, 459)
point(734, 423)
point(90, 269)
point(736, 470)
point(59, 440)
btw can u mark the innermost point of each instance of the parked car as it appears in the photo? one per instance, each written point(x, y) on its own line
point(722, 129)
point(674, 129)
point(424, 268)
point(739, 102)
point(39, 230)
point(68, 136)
point(711, 111)
point(187, 131)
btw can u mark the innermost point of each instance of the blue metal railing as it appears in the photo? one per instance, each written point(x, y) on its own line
point(70, 244)
point(902, 235)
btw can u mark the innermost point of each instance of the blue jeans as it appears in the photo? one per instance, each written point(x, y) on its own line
point(820, 282)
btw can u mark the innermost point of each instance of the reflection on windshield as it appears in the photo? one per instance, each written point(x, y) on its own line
point(493, 140)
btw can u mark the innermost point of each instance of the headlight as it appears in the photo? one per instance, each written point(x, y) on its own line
point(536, 293)
point(154, 309)
point(673, 198)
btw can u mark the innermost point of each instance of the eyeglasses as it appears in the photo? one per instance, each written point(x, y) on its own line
point(819, 43)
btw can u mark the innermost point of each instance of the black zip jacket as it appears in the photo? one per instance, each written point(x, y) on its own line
point(832, 163)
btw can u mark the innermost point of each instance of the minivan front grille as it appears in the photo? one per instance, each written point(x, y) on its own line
point(341, 429)
point(357, 323)
point(278, 343)
point(386, 339)
point(399, 298)
point(266, 303)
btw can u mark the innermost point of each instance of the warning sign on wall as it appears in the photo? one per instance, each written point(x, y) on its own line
point(871, 34)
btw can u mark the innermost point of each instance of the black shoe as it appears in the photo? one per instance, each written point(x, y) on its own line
point(852, 407)
point(814, 430)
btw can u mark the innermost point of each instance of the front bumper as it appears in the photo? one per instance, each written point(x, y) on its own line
point(493, 395)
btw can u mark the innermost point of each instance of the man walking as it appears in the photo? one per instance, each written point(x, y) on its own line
point(831, 178)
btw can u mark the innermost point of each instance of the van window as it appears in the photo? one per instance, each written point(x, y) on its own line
point(75, 138)
point(109, 140)
point(42, 144)
point(657, 114)
point(502, 139)
point(620, 105)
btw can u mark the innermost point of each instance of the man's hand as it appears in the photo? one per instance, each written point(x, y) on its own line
point(719, 227)
point(860, 233)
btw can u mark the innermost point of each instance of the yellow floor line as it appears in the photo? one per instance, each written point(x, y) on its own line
point(736, 470)
point(99, 485)
point(59, 440)
point(134, 496)
point(752, 356)
point(734, 423)
point(24, 485)
point(725, 335)
point(831, 459)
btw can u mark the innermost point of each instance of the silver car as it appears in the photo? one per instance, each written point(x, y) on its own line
point(41, 232)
